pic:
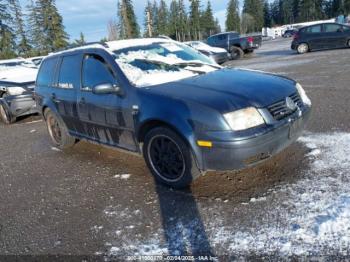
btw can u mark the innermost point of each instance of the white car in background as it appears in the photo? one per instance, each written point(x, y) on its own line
point(219, 55)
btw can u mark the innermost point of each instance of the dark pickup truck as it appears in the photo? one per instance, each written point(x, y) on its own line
point(237, 45)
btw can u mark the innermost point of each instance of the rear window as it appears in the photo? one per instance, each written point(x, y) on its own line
point(69, 76)
point(312, 29)
point(331, 28)
point(47, 72)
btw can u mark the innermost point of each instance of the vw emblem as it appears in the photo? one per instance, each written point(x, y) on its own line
point(290, 104)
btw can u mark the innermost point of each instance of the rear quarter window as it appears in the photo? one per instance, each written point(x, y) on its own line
point(47, 72)
point(313, 29)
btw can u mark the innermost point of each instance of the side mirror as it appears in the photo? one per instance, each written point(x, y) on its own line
point(106, 88)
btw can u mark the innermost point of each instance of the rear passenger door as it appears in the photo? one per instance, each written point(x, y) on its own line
point(64, 91)
point(105, 118)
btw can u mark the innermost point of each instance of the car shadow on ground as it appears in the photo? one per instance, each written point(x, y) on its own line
point(277, 53)
point(184, 230)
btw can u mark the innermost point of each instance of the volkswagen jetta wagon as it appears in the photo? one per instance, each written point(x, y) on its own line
point(167, 101)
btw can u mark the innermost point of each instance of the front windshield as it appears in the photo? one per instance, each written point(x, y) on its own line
point(162, 62)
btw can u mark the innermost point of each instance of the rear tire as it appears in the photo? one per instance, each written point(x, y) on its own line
point(303, 48)
point(5, 116)
point(169, 158)
point(58, 131)
point(236, 53)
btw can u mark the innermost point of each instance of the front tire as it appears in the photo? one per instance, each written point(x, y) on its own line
point(4, 116)
point(58, 131)
point(348, 43)
point(303, 48)
point(169, 158)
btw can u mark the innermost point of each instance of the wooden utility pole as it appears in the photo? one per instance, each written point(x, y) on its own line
point(149, 24)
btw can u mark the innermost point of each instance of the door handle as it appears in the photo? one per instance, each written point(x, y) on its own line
point(54, 98)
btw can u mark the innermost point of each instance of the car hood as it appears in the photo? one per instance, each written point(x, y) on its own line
point(230, 89)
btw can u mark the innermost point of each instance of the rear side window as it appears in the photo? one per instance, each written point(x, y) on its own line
point(346, 28)
point(69, 76)
point(47, 72)
point(313, 29)
point(96, 71)
point(331, 28)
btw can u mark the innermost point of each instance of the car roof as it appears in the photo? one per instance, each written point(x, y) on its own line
point(224, 33)
point(321, 24)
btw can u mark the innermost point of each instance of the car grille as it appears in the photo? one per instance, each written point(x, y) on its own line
point(280, 110)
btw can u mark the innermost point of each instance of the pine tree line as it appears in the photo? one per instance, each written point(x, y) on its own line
point(171, 20)
point(39, 32)
point(281, 12)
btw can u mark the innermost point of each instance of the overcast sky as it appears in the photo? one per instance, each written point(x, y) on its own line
point(91, 16)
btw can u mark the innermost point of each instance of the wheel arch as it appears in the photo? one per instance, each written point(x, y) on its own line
point(150, 124)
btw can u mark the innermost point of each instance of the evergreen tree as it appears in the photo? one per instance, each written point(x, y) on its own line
point(155, 17)
point(296, 10)
point(254, 14)
point(7, 37)
point(34, 28)
point(162, 19)
point(173, 25)
point(232, 17)
point(267, 14)
point(208, 25)
point(182, 18)
point(194, 20)
point(127, 20)
point(81, 41)
point(217, 26)
point(18, 24)
point(311, 10)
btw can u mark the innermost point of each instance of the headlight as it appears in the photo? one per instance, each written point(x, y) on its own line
point(306, 100)
point(244, 119)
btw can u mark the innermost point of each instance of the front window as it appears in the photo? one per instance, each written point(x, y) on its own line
point(162, 62)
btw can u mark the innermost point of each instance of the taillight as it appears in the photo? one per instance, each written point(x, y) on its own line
point(250, 39)
point(296, 36)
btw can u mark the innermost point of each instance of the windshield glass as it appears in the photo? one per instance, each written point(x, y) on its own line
point(162, 62)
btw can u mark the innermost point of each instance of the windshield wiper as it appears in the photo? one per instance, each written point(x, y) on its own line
point(196, 64)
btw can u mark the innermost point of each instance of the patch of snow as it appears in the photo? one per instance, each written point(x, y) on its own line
point(123, 176)
point(205, 47)
point(312, 222)
point(32, 131)
point(252, 200)
point(56, 149)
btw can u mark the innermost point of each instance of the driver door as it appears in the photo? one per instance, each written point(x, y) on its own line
point(104, 118)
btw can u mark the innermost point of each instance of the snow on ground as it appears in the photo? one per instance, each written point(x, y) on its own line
point(309, 217)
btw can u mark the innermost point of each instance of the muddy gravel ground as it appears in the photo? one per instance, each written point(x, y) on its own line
point(102, 203)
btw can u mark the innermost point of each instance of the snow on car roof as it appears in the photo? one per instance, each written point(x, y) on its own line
point(14, 60)
point(121, 44)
